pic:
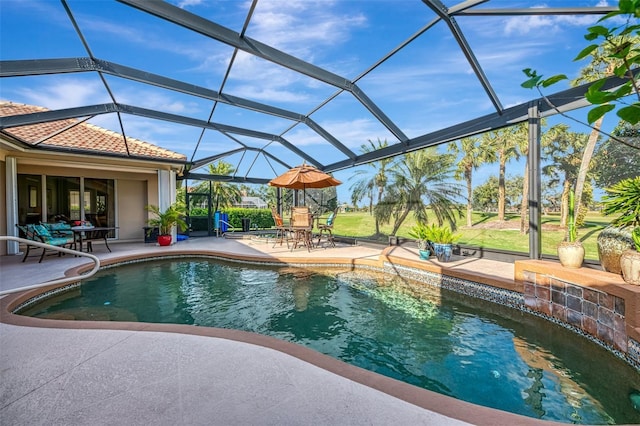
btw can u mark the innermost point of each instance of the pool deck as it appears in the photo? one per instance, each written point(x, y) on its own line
point(75, 372)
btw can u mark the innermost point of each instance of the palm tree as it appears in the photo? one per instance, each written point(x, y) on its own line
point(564, 149)
point(521, 135)
point(420, 181)
point(474, 153)
point(504, 143)
point(604, 60)
point(368, 183)
point(224, 193)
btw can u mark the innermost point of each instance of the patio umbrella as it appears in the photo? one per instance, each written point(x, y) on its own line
point(303, 177)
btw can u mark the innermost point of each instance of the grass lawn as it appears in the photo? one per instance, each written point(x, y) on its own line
point(486, 232)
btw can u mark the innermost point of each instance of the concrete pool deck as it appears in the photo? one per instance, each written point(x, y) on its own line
point(75, 372)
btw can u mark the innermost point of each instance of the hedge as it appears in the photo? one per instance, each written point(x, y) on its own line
point(260, 218)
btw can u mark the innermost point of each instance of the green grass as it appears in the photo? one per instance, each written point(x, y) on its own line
point(362, 225)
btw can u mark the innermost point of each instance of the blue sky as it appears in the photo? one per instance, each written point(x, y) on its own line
point(424, 87)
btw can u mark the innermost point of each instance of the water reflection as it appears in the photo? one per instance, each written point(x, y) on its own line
point(541, 362)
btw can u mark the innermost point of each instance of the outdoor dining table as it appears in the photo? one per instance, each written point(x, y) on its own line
point(89, 233)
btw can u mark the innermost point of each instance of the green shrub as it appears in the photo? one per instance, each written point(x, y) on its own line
point(260, 218)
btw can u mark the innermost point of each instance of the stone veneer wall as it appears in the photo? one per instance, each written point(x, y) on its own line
point(594, 302)
point(597, 313)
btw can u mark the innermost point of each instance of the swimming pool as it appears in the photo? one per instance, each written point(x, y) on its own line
point(456, 345)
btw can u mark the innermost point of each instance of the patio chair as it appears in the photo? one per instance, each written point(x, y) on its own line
point(301, 227)
point(42, 234)
point(283, 231)
point(326, 229)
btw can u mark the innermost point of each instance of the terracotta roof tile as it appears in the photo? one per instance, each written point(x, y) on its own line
point(82, 136)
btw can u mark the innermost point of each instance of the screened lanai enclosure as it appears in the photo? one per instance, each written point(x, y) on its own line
point(345, 86)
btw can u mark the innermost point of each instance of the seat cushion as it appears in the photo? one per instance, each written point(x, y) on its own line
point(42, 230)
point(58, 226)
point(330, 219)
point(59, 241)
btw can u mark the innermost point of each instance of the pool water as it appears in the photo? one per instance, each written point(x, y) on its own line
point(443, 341)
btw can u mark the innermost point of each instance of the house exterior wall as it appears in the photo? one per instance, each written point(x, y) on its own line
point(136, 184)
point(3, 204)
point(131, 200)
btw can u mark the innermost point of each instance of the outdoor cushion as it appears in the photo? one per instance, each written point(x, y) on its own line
point(57, 238)
point(330, 219)
point(58, 226)
point(59, 229)
point(58, 241)
point(42, 230)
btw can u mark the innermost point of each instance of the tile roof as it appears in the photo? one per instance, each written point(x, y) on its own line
point(83, 137)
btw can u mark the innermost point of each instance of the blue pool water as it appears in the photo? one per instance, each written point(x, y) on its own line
point(446, 342)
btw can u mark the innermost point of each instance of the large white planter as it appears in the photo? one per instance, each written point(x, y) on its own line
point(571, 254)
point(630, 266)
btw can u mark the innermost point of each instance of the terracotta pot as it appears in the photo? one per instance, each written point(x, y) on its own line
point(612, 242)
point(571, 254)
point(164, 240)
point(630, 266)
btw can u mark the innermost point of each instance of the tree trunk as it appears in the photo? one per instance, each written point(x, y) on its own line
point(564, 204)
point(380, 192)
point(501, 187)
point(400, 220)
point(524, 224)
point(467, 175)
point(586, 160)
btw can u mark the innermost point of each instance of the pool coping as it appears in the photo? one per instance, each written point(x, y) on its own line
point(429, 400)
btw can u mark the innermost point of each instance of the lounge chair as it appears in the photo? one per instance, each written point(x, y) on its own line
point(43, 234)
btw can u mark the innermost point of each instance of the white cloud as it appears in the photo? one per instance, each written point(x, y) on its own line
point(526, 24)
point(189, 3)
point(65, 93)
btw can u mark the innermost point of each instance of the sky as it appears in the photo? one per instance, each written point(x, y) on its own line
point(423, 87)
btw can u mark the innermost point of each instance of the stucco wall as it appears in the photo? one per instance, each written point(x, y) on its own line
point(132, 216)
point(3, 205)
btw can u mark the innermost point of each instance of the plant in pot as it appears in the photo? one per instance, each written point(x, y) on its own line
point(630, 260)
point(166, 220)
point(421, 233)
point(441, 239)
point(622, 199)
point(571, 250)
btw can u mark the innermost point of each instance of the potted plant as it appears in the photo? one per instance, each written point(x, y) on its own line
point(166, 220)
point(441, 239)
point(421, 234)
point(630, 260)
point(623, 199)
point(571, 250)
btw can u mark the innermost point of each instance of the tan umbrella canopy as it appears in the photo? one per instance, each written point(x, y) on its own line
point(303, 177)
